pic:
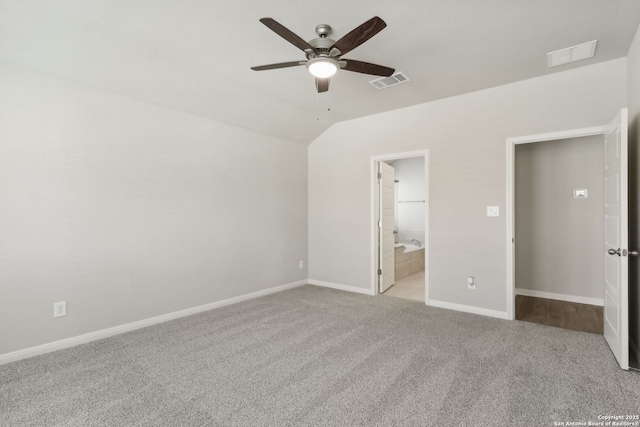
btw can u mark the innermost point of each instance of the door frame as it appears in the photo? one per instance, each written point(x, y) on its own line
point(375, 206)
point(510, 214)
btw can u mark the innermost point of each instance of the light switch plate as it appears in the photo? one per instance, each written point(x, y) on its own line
point(580, 193)
point(493, 210)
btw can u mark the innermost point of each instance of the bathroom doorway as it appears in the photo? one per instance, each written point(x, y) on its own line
point(400, 209)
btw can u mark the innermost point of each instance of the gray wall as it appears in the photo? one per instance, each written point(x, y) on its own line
point(466, 137)
point(559, 238)
point(634, 188)
point(128, 211)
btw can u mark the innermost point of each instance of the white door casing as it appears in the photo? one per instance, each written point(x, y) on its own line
point(616, 292)
point(386, 224)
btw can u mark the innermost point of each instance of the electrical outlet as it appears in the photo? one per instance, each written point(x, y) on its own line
point(301, 264)
point(471, 282)
point(59, 309)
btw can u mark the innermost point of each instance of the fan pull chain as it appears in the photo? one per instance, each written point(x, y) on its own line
point(318, 107)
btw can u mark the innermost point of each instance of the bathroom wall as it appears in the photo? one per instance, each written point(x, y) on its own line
point(410, 214)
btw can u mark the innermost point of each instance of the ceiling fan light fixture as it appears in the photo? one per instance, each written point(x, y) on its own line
point(323, 55)
point(323, 67)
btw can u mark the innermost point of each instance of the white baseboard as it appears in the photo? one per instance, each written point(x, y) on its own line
point(469, 309)
point(347, 288)
point(560, 297)
point(104, 333)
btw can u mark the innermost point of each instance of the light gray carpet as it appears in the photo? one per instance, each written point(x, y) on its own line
point(315, 356)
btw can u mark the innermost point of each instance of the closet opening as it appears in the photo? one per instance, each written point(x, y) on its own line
point(568, 228)
point(559, 229)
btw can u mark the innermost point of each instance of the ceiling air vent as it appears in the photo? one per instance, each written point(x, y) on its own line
point(571, 54)
point(394, 80)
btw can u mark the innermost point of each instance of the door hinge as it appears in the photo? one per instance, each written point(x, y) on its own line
point(379, 175)
point(379, 272)
point(379, 224)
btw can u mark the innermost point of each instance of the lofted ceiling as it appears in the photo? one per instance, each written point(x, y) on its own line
point(195, 55)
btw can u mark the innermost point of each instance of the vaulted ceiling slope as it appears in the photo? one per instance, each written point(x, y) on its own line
point(195, 56)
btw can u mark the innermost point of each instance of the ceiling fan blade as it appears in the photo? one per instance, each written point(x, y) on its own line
point(287, 34)
point(322, 84)
point(367, 68)
point(359, 35)
point(279, 65)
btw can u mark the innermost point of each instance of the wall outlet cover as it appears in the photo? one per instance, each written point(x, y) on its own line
point(59, 309)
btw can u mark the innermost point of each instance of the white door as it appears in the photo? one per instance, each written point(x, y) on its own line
point(386, 257)
point(616, 292)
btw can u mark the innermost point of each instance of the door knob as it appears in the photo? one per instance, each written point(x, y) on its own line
point(614, 251)
point(634, 253)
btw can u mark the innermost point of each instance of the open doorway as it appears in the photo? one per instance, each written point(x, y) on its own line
point(614, 250)
point(559, 211)
point(400, 225)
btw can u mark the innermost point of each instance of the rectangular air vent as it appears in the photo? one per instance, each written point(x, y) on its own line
point(394, 80)
point(571, 54)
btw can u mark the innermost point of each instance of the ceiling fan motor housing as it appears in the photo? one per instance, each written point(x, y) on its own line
point(323, 59)
point(322, 47)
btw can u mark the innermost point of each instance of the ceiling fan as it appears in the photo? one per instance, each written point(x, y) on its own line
point(324, 55)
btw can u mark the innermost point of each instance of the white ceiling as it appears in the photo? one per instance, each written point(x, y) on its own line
point(194, 55)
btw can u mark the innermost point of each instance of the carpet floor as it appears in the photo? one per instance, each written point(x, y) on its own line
point(313, 356)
